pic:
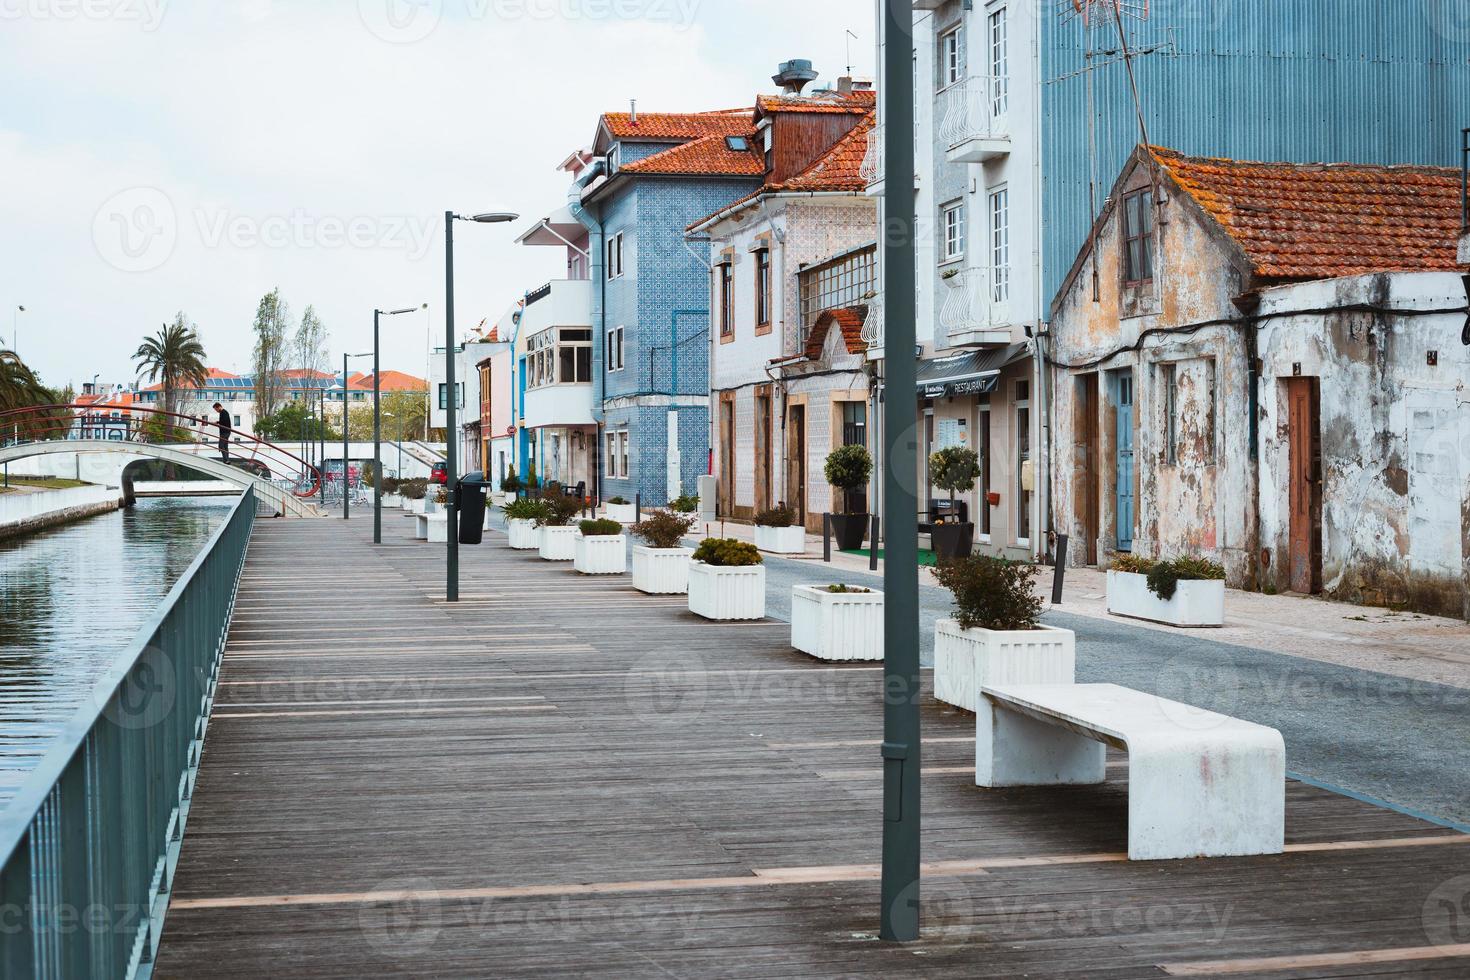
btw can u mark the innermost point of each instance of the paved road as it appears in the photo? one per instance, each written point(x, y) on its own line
point(1406, 742)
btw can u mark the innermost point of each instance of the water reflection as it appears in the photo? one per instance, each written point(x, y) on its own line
point(70, 599)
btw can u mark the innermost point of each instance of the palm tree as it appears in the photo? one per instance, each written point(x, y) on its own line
point(20, 388)
point(175, 356)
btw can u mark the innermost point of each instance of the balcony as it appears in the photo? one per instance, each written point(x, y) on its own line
point(872, 334)
point(559, 303)
point(871, 169)
point(973, 119)
point(976, 306)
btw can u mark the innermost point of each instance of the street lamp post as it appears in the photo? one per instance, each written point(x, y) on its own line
point(345, 449)
point(15, 330)
point(451, 586)
point(378, 423)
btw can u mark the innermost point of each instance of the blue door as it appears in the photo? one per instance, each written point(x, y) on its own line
point(1123, 465)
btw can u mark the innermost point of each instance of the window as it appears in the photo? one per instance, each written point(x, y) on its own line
point(951, 56)
point(848, 279)
point(737, 144)
point(1169, 387)
point(952, 222)
point(1023, 453)
point(559, 356)
point(623, 453)
point(459, 396)
point(615, 256)
point(614, 157)
point(1000, 245)
point(726, 273)
point(616, 465)
point(614, 352)
point(1138, 227)
point(854, 423)
point(1000, 67)
point(762, 286)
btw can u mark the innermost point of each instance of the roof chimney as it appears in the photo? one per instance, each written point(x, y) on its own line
point(844, 84)
point(633, 111)
point(794, 75)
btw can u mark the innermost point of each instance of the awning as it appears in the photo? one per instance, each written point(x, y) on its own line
point(972, 372)
point(557, 228)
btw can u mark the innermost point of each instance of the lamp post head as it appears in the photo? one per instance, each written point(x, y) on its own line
point(495, 217)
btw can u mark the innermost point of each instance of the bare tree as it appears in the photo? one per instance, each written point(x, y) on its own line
point(311, 342)
point(269, 358)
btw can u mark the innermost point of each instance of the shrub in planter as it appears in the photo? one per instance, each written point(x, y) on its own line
point(559, 510)
point(994, 637)
point(1183, 591)
point(953, 468)
point(391, 485)
point(601, 549)
point(523, 523)
point(1164, 577)
point(414, 489)
point(847, 469)
point(727, 580)
point(617, 500)
point(619, 509)
point(510, 483)
point(776, 530)
point(686, 503)
point(661, 565)
point(837, 622)
point(558, 534)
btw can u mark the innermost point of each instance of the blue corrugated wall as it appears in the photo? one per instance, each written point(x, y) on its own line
point(1366, 81)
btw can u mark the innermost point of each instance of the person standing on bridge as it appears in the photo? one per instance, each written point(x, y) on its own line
point(224, 432)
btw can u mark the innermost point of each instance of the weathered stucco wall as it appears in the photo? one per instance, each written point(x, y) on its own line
point(1395, 437)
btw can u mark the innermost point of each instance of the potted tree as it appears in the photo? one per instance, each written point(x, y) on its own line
point(413, 495)
point(994, 637)
point(837, 622)
point(509, 485)
point(1184, 591)
point(523, 523)
point(727, 580)
point(661, 564)
point(618, 509)
point(776, 531)
point(953, 468)
point(847, 469)
point(391, 497)
point(601, 548)
point(685, 503)
point(558, 534)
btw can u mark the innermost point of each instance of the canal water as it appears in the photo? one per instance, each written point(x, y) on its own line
point(70, 600)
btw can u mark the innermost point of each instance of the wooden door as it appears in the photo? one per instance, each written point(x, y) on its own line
point(762, 449)
point(725, 506)
point(1304, 447)
point(1123, 458)
point(796, 462)
point(1085, 483)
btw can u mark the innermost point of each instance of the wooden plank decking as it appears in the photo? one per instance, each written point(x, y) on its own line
point(561, 776)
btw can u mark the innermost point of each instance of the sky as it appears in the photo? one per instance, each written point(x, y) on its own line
point(160, 156)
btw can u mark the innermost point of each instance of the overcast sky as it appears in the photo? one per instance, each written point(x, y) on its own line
point(163, 155)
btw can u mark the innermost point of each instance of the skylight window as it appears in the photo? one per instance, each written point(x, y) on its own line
point(738, 144)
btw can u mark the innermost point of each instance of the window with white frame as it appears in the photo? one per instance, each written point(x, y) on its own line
point(559, 356)
point(1000, 64)
point(952, 225)
point(951, 56)
point(613, 157)
point(616, 464)
point(615, 256)
point(1000, 245)
point(614, 352)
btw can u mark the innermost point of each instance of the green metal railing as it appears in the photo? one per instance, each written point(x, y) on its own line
point(90, 841)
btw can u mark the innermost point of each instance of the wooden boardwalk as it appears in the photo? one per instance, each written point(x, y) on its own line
point(563, 777)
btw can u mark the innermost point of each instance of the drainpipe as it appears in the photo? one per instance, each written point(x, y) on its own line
point(595, 258)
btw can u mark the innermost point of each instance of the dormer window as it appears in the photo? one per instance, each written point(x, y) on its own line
point(737, 144)
point(612, 158)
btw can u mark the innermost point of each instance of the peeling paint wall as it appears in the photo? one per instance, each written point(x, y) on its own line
point(1395, 437)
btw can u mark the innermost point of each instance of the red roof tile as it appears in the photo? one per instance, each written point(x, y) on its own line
point(837, 169)
point(1320, 221)
point(849, 320)
point(706, 155)
point(677, 125)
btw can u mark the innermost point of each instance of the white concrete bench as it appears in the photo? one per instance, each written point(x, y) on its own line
point(1200, 784)
point(431, 527)
point(421, 527)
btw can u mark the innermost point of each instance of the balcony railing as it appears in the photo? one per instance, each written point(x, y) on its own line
point(872, 333)
point(978, 299)
point(973, 117)
point(871, 169)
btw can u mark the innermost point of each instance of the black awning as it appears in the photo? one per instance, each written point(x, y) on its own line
point(972, 372)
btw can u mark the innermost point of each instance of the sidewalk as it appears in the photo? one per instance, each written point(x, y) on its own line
point(1409, 645)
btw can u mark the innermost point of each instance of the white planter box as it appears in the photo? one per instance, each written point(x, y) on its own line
point(524, 534)
point(727, 592)
point(601, 554)
point(661, 571)
point(559, 543)
point(392, 500)
point(622, 513)
point(1196, 602)
point(430, 506)
point(966, 659)
point(438, 528)
point(781, 540)
point(410, 506)
point(837, 625)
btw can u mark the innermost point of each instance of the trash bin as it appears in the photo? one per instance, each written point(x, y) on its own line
point(472, 490)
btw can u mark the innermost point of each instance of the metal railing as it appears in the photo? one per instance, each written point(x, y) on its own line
point(973, 109)
point(90, 841)
point(871, 169)
point(872, 334)
point(978, 298)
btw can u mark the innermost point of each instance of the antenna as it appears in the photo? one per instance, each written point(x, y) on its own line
point(1087, 9)
point(849, 39)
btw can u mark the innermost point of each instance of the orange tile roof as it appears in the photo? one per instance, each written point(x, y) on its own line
point(849, 320)
point(706, 155)
point(837, 169)
point(1320, 221)
point(677, 125)
point(862, 100)
point(392, 381)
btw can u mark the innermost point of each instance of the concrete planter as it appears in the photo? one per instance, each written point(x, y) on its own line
point(661, 571)
point(1196, 602)
point(392, 500)
point(438, 528)
point(726, 591)
point(410, 506)
point(966, 659)
point(622, 513)
point(837, 625)
point(559, 543)
point(429, 506)
point(601, 554)
point(781, 540)
point(524, 534)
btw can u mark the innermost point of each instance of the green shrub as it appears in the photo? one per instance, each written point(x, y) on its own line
point(840, 588)
point(727, 552)
point(1126, 561)
point(600, 528)
point(954, 468)
point(510, 483)
point(1164, 577)
point(847, 468)
point(560, 510)
point(778, 516)
point(617, 500)
point(991, 593)
point(664, 528)
point(525, 509)
point(414, 489)
point(685, 504)
point(531, 475)
point(391, 485)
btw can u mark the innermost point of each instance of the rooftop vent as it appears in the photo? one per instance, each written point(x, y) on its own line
point(794, 75)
